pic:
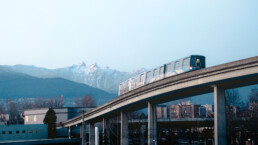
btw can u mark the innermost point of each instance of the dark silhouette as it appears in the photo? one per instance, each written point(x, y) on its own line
point(50, 120)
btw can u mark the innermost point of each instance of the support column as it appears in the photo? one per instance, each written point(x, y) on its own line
point(82, 134)
point(152, 124)
point(124, 129)
point(142, 134)
point(69, 132)
point(106, 132)
point(96, 136)
point(220, 137)
point(91, 134)
point(83, 130)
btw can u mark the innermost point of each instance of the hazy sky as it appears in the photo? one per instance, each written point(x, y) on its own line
point(126, 34)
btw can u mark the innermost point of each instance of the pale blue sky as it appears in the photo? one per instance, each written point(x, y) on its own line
point(126, 34)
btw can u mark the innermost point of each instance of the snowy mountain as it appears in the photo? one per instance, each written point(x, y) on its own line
point(93, 75)
point(15, 85)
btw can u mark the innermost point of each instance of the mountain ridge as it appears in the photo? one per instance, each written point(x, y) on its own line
point(93, 75)
point(17, 85)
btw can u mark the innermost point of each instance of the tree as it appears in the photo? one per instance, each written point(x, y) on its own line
point(12, 109)
point(2, 112)
point(253, 96)
point(47, 102)
point(85, 101)
point(26, 104)
point(232, 97)
point(54, 102)
point(50, 120)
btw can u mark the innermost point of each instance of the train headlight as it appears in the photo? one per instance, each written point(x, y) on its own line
point(190, 67)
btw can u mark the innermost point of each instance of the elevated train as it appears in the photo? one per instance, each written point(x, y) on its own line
point(190, 63)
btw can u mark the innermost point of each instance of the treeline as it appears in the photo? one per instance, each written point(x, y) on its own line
point(12, 110)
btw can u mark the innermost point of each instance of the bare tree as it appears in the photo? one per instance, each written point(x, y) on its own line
point(85, 101)
point(232, 97)
point(253, 96)
point(26, 104)
point(12, 109)
point(2, 112)
point(54, 102)
point(47, 102)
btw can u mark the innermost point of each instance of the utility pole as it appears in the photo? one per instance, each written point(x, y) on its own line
point(83, 128)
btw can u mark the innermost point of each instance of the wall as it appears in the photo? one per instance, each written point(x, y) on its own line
point(23, 132)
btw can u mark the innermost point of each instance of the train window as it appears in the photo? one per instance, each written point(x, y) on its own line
point(132, 83)
point(161, 70)
point(142, 78)
point(156, 73)
point(186, 62)
point(137, 79)
point(169, 67)
point(149, 77)
point(198, 62)
point(178, 65)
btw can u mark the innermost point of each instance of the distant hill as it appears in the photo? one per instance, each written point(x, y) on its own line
point(93, 75)
point(17, 85)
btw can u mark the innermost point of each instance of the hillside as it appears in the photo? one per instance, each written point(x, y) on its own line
point(93, 75)
point(17, 85)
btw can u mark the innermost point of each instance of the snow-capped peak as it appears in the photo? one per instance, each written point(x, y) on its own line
point(138, 71)
point(94, 66)
point(82, 64)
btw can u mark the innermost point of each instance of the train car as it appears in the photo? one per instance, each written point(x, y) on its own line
point(190, 63)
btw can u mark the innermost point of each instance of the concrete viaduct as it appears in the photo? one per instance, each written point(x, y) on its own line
point(213, 79)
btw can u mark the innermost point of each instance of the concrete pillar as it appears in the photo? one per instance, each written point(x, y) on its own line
point(69, 132)
point(82, 134)
point(124, 129)
point(96, 136)
point(91, 134)
point(83, 130)
point(152, 124)
point(142, 134)
point(106, 132)
point(220, 137)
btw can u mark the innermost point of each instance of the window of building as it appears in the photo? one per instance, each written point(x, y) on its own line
point(3, 132)
point(37, 131)
point(17, 131)
point(10, 132)
point(26, 118)
point(23, 131)
point(30, 131)
point(35, 118)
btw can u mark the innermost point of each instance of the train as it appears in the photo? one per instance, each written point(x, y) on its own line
point(183, 65)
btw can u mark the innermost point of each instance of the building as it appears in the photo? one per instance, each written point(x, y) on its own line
point(202, 112)
point(4, 118)
point(175, 111)
point(195, 111)
point(36, 116)
point(162, 112)
point(209, 110)
point(23, 132)
point(186, 110)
